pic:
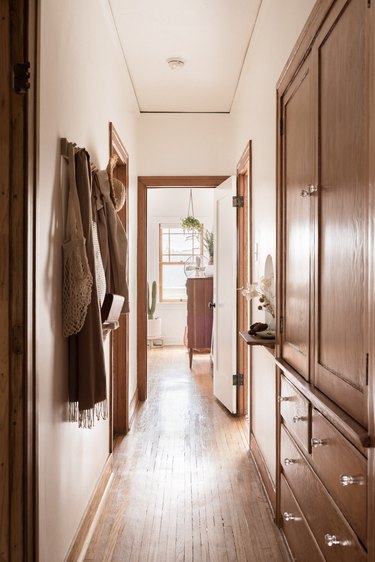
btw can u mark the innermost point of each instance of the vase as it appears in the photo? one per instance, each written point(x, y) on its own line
point(154, 328)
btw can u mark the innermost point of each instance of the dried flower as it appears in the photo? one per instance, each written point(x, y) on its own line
point(262, 291)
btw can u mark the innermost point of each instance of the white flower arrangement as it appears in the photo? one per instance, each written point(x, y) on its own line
point(263, 291)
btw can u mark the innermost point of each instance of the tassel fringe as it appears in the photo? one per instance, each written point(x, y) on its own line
point(86, 418)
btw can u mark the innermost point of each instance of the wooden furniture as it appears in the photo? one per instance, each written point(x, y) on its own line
point(199, 314)
point(322, 344)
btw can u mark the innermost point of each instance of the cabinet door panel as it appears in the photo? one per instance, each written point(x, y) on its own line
point(298, 173)
point(341, 274)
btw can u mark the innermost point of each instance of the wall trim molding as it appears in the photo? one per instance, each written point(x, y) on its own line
point(133, 407)
point(92, 508)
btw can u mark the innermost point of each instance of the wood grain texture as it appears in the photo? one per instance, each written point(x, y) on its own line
point(199, 315)
point(337, 457)
point(4, 282)
point(243, 273)
point(321, 513)
point(297, 531)
point(341, 274)
point(120, 338)
point(184, 486)
point(371, 293)
point(298, 166)
point(352, 430)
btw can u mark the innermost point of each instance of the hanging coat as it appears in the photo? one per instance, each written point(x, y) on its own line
point(87, 374)
point(112, 238)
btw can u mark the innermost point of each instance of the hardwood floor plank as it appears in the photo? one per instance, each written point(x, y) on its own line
point(185, 487)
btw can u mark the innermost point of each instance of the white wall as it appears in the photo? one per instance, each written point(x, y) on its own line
point(254, 117)
point(186, 144)
point(170, 205)
point(83, 85)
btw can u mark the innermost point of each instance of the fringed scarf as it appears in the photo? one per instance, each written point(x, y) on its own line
point(87, 374)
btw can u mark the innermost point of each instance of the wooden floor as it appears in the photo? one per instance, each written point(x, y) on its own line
point(184, 487)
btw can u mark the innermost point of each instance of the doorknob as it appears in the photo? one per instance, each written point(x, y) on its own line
point(211, 305)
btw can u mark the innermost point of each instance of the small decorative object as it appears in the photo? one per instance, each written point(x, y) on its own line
point(190, 222)
point(257, 327)
point(263, 291)
point(208, 242)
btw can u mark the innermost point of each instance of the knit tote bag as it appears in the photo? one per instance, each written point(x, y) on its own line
point(77, 277)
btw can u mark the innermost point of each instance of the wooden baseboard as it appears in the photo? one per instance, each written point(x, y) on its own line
point(264, 473)
point(89, 515)
point(133, 408)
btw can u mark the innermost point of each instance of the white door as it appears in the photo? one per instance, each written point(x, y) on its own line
point(225, 294)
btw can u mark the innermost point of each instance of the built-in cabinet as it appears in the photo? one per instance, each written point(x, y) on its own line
point(322, 344)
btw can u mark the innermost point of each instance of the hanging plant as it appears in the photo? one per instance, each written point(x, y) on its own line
point(190, 222)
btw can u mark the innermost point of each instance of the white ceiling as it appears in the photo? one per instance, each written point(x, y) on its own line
point(212, 36)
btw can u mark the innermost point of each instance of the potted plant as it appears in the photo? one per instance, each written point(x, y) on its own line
point(190, 222)
point(153, 324)
point(208, 241)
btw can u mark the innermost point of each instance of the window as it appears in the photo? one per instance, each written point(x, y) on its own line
point(175, 247)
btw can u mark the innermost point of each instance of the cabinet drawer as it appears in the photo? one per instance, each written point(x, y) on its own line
point(342, 469)
point(335, 537)
point(297, 532)
point(295, 411)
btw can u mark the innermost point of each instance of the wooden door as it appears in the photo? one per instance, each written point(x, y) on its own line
point(297, 179)
point(243, 275)
point(341, 267)
point(225, 295)
point(120, 416)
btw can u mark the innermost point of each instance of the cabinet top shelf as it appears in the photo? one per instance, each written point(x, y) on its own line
point(256, 340)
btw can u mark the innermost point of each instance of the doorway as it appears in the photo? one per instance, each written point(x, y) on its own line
point(119, 355)
point(144, 184)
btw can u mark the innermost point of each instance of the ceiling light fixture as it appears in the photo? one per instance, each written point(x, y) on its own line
point(175, 63)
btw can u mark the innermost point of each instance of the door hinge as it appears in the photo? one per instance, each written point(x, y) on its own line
point(21, 77)
point(366, 376)
point(281, 324)
point(237, 201)
point(281, 126)
point(237, 380)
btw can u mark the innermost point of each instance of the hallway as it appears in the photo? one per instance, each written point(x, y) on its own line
point(184, 486)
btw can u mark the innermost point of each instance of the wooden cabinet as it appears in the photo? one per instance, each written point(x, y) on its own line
point(324, 263)
point(199, 314)
point(323, 195)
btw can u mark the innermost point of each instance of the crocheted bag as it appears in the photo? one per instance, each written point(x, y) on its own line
point(77, 278)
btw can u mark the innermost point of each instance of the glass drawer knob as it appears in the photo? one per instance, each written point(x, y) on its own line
point(287, 461)
point(290, 517)
point(316, 442)
point(349, 480)
point(333, 540)
point(296, 419)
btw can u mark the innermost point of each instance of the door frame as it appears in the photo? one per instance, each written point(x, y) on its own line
point(244, 245)
point(18, 389)
point(145, 183)
point(119, 422)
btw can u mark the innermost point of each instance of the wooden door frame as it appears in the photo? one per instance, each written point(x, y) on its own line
point(18, 392)
point(119, 422)
point(244, 244)
point(145, 183)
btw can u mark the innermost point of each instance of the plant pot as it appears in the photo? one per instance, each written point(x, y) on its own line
point(154, 328)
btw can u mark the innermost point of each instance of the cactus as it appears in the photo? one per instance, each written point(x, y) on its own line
point(151, 309)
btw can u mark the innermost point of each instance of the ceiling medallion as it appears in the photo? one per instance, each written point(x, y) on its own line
point(175, 63)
